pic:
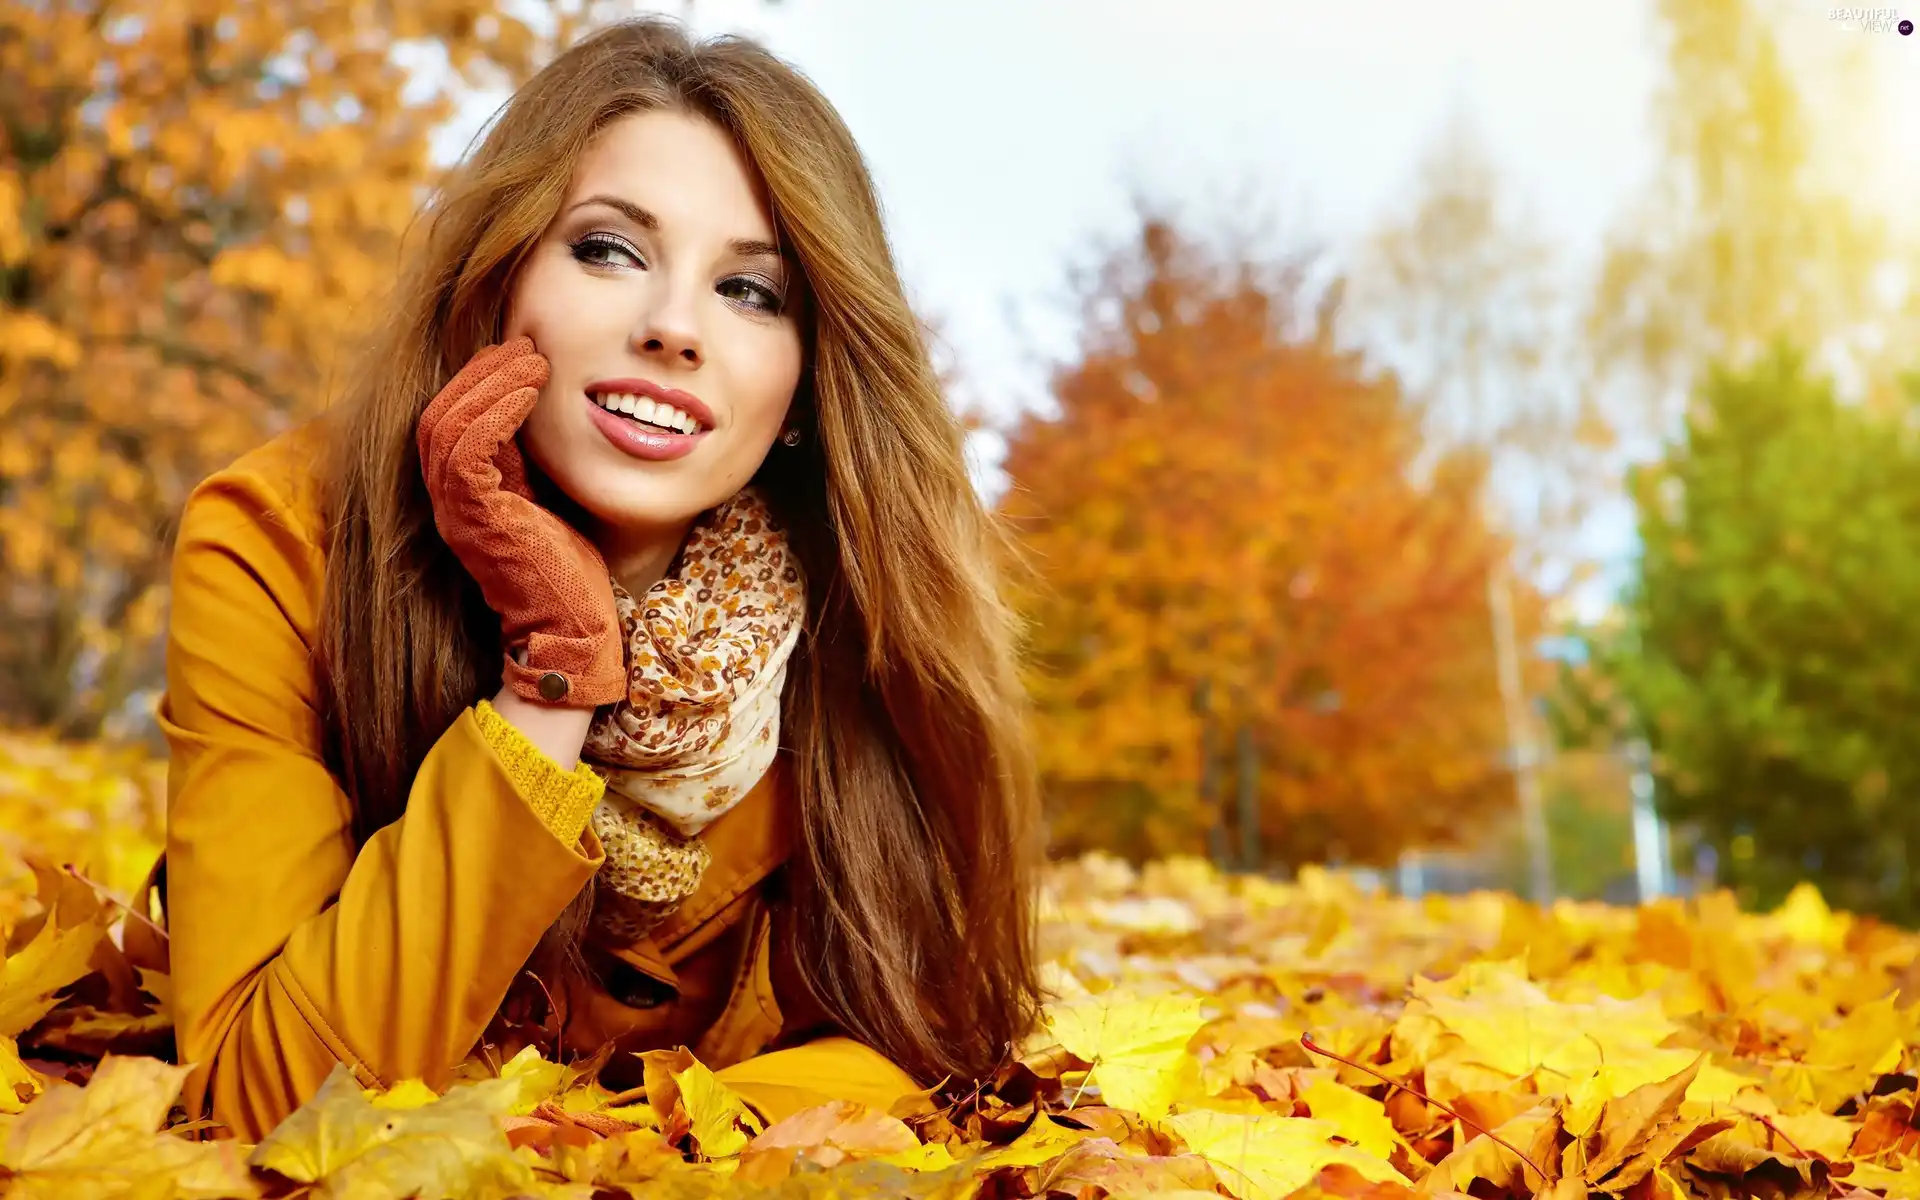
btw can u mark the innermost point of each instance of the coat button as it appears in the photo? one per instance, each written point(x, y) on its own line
point(553, 686)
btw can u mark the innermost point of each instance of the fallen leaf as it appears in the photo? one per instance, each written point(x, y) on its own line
point(1360, 1119)
point(1627, 1122)
point(19, 1083)
point(1534, 1133)
point(1098, 1167)
point(537, 1078)
point(843, 1128)
point(1265, 1158)
point(352, 1150)
point(57, 955)
point(719, 1120)
point(104, 1141)
point(1137, 1045)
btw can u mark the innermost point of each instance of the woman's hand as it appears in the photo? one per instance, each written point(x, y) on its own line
point(548, 584)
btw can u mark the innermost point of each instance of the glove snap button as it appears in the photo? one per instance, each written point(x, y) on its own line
point(553, 686)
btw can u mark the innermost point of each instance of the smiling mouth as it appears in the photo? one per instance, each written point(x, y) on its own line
point(645, 411)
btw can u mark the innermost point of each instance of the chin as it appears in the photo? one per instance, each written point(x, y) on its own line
point(636, 498)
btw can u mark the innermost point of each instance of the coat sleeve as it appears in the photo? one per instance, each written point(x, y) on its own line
point(290, 952)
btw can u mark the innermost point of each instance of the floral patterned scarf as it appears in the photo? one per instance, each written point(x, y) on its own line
point(707, 650)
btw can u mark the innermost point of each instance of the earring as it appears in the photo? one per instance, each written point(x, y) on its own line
point(791, 437)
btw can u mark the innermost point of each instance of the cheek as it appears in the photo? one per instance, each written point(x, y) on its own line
point(529, 301)
point(771, 382)
point(536, 304)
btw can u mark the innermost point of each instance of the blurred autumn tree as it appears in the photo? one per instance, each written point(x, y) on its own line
point(1225, 495)
point(1767, 646)
point(195, 198)
point(1755, 226)
point(1461, 295)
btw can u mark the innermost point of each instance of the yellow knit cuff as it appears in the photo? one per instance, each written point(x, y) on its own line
point(563, 800)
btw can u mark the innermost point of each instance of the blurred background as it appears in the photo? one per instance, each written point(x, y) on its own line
point(1474, 445)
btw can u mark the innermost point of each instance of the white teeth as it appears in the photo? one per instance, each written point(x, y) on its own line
point(654, 412)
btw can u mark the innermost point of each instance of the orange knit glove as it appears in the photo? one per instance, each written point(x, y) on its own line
point(547, 582)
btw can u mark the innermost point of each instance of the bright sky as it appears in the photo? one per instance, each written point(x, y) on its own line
point(1007, 135)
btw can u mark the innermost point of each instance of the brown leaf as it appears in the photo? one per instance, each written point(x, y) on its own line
point(85, 1030)
point(1673, 1139)
point(1096, 1168)
point(1536, 1132)
point(1730, 1156)
point(1628, 1122)
point(1342, 1182)
point(1886, 1125)
point(828, 1134)
point(1124, 1128)
point(663, 1094)
point(1491, 1110)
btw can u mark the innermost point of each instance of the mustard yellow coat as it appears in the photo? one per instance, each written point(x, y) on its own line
point(290, 951)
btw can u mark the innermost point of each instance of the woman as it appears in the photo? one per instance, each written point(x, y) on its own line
point(619, 666)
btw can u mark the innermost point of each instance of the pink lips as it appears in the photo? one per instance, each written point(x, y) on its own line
point(686, 402)
point(631, 437)
point(642, 441)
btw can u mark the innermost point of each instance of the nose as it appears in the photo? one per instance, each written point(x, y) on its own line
point(669, 329)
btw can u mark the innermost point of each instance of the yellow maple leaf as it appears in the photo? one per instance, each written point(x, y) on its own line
point(351, 1150)
point(408, 1093)
point(1805, 917)
point(18, 1082)
point(1266, 1158)
point(159, 985)
point(1360, 1119)
point(1044, 1140)
point(1901, 1180)
point(537, 1078)
point(1817, 1132)
point(1615, 1078)
point(1511, 1024)
point(1848, 1056)
point(721, 1123)
point(1137, 1045)
point(57, 956)
point(104, 1141)
point(929, 1157)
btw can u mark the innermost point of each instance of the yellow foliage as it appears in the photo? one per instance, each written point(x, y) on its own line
point(1210, 1035)
point(197, 202)
point(96, 806)
point(105, 1141)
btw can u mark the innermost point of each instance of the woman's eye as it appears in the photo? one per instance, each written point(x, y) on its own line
point(603, 250)
point(753, 292)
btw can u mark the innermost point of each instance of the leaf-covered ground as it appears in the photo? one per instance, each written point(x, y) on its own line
point(1211, 1036)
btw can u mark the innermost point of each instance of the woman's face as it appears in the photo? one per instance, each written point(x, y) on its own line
point(657, 290)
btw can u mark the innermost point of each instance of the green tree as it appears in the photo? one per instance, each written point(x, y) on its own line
point(1767, 648)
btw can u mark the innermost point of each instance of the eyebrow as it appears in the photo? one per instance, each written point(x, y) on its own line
point(744, 247)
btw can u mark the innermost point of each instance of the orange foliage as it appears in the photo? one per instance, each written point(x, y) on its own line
point(1223, 498)
point(195, 200)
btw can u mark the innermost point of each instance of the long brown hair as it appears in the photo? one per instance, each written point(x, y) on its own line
point(904, 719)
